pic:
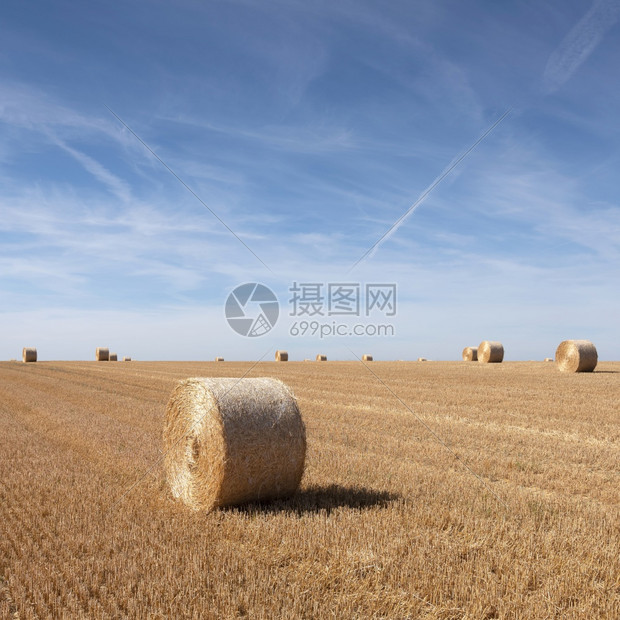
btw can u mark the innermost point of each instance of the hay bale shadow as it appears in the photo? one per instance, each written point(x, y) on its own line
point(321, 499)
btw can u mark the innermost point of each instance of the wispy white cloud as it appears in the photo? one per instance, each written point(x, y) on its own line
point(67, 239)
point(25, 264)
point(579, 43)
point(317, 138)
point(33, 119)
point(28, 107)
point(116, 185)
point(554, 208)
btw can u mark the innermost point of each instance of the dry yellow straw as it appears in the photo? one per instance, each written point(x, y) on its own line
point(29, 354)
point(231, 441)
point(576, 356)
point(470, 354)
point(102, 354)
point(490, 352)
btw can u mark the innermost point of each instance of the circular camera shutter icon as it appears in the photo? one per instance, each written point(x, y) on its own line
point(252, 309)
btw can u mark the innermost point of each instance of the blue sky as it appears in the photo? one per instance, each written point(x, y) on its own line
point(309, 128)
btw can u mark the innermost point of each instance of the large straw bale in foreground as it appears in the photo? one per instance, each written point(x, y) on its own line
point(576, 356)
point(470, 354)
point(102, 354)
point(29, 354)
point(281, 356)
point(490, 352)
point(230, 441)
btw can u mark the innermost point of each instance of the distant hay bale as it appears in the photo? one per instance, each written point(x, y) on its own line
point(490, 352)
point(102, 354)
point(470, 354)
point(126, 359)
point(281, 356)
point(219, 359)
point(113, 357)
point(367, 358)
point(422, 359)
point(231, 441)
point(321, 358)
point(548, 359)
point(576, 356)
point(29, 354)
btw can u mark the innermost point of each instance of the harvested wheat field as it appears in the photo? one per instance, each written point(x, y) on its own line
point(389, 523)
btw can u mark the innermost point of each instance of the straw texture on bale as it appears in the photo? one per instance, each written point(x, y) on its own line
point(126, 359)
point(366, 358)
point(281, 356)
point(321, 358)
point(576, 356)
point(470, 354)
point(229, 441)
point(29, 354)
point(219, 359)
point(490, 352)
point(102, 354)
point(113, 357)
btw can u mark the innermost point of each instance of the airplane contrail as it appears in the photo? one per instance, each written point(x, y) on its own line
point(579, 43)
point(397, 224)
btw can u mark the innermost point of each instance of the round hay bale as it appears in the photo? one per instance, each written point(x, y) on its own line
point(102, 354)
point(219, 359)
point(470, 354)
point(490, 352)
point(367, 358)
point(548, 359)
point(113, 357)
point(422, 359)
point(576, 356)
point(126, 359)
point(29, 354)
point(281, 356)
point(231, 441)
point(321, 358)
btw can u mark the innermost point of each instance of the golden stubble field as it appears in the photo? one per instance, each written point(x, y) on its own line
point(389, 523)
